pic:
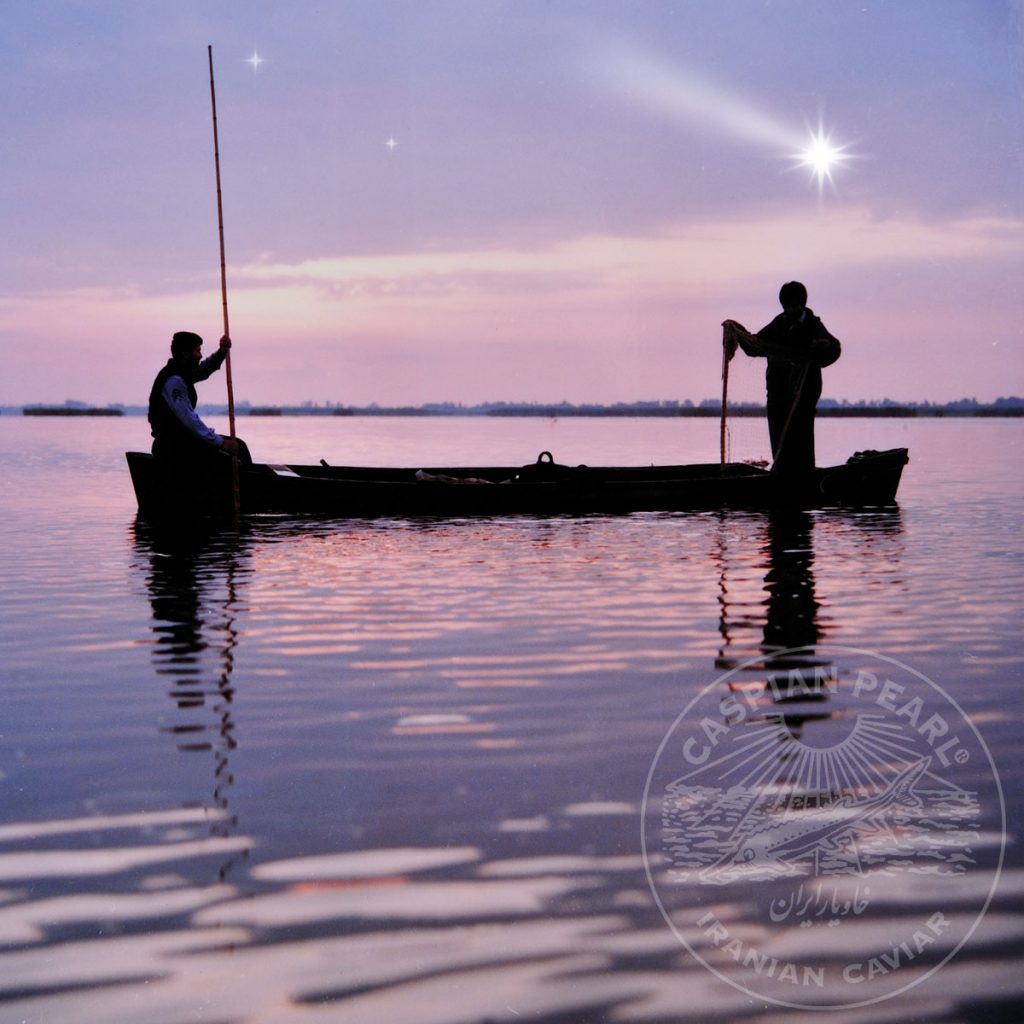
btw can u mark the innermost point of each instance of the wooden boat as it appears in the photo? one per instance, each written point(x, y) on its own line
point(543, 487)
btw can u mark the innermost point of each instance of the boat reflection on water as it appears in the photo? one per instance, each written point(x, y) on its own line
point(495, 873)
point(194, 580)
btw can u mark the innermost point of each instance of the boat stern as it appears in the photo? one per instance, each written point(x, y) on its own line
point(868, 478)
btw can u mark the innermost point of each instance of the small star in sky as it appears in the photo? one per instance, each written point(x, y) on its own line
point(391, 144)
point(255, 60)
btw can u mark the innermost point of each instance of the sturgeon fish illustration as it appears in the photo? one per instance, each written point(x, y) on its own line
point(775, 844)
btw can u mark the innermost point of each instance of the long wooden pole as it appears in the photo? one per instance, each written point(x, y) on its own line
point(224, 287)
point(725, 402)
point(223, 265)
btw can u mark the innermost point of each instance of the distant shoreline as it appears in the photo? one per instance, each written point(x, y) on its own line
point(1005, 408)
point(61, 410)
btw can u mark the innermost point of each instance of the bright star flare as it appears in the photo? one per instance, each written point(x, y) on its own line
point(255, 60)
point(391, 144)
point(822, 156)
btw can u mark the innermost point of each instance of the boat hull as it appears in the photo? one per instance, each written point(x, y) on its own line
point(868, 479)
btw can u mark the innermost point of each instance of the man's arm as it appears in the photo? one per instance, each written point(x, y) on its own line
point(211, 364)
point(824, 348)
point(752, 345)
point(778, 341)
point(175, 394)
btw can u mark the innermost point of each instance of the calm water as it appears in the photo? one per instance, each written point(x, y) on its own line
point(395, 770)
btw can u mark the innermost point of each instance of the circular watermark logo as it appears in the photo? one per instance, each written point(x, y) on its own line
point(823, 827)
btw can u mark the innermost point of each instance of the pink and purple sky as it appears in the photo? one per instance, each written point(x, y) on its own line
point(581, 191)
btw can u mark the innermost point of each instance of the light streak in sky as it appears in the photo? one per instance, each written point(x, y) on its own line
point(255, 60)
point(662, 88)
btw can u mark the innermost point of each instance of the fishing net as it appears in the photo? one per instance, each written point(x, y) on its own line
point(743, 430)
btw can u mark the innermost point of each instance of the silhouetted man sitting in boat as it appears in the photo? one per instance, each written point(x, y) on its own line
point(179, 435)
point(797, 346)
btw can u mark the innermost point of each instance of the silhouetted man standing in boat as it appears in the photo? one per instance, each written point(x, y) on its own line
point(797, 346)
point(179, 435)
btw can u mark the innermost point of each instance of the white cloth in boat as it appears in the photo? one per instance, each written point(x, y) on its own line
point(440, 478)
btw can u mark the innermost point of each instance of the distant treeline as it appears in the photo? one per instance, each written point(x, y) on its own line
point(1011, 407)
point(710, 407)
point(64, 410)
point(756, 411)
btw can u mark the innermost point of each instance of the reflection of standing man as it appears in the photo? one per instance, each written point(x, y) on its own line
point(797, 345)
point(791, 605)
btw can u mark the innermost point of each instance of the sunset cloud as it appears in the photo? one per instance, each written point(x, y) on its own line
point(725, 255)
point(614, 297)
